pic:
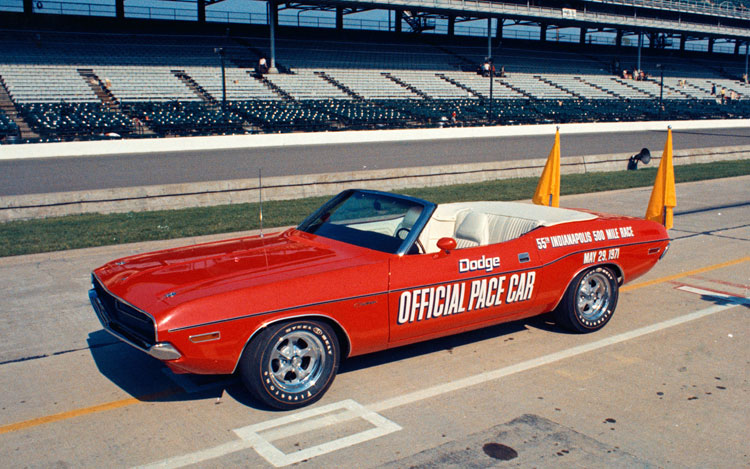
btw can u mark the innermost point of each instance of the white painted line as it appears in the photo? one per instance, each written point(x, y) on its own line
point(740, 300)
point(200, 456)
point(544, 360)
point(250, 436)
point(309, 420)
point(263, 446)
point(152, 145)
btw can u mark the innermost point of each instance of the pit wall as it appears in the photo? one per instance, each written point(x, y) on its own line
point(155, 145)
point(176, 196)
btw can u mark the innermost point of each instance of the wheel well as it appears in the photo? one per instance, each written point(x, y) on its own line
point(618, 272)
point(614, 267)
point(341, 335)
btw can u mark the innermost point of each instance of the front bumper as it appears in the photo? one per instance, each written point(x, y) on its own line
point(161, 350)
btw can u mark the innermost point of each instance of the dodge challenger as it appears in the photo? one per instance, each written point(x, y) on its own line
point(367, 271)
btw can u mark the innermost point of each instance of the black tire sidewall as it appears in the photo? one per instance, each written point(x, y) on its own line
point(255, 359)
point(578, 321)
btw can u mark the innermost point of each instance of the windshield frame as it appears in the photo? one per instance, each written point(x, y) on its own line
point(406, 245)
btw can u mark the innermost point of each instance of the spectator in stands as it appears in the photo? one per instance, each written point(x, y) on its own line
point(262, 66)
point(713, 89)
point(502, 71)
point(486, 69)
point(624, 74)
point(453, 117)
point(723, 95)
point(744, 77)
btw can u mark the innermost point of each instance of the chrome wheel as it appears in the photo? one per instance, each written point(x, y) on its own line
point(296, 361)
point(594, 293)
point(291, 364)
point(589, 301)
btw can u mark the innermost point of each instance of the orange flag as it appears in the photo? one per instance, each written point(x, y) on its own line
point(548, 189)
point(663, 196)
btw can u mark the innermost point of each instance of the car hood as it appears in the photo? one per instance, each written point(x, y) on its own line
point(160, 281)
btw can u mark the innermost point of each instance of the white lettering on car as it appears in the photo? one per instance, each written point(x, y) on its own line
point(584, 237)
point(445, 300)
point(487, 264)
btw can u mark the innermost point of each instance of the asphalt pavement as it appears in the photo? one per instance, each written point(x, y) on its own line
point(50, 175)
point(664, 384)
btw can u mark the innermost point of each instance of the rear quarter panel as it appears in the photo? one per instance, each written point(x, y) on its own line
point(630, 246)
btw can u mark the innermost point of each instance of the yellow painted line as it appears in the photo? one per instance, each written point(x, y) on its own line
point(131, 401)
point(81, 412)
point(668, 278)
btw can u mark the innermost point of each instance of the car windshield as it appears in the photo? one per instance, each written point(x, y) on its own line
point(369, 219)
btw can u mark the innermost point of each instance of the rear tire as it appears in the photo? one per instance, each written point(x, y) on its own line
point(589, 302)
point(291, 364)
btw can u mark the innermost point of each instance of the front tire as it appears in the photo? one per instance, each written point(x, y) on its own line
point(292, 364)
point(589, 302)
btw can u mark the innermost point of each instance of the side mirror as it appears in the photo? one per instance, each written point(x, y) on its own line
point(446, 244)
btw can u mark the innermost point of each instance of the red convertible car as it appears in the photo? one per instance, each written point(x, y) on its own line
point(367, 271)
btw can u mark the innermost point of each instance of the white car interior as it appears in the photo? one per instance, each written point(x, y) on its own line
point(481, 223)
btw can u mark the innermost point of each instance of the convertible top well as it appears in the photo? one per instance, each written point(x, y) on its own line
point(483, 223)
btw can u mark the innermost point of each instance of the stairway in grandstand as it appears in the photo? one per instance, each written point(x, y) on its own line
point(101, 89)
point(7, 106)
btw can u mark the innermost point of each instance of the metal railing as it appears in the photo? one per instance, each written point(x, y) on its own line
point(725, 8)
point(634, 22)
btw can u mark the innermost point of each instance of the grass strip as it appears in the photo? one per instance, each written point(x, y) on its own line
point(81, 231)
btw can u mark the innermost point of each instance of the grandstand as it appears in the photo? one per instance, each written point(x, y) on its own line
point(78, 82)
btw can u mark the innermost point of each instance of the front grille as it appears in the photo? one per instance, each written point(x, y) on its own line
point(132, 324)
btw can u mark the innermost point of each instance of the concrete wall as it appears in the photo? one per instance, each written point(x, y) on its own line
point(152, 145)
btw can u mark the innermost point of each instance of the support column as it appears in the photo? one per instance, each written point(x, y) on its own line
point(640, 45)
point(201, 11)
point(489, 37)
point(339, 18)
point(399, 19)
point(747, 48)
point(582, 38)
point(28, 7)
point(120, 9)
point(711, 44)
point(683, 40)
point(736, 47)
point(451, 26)
point(543, 31)
point(273, 21)
point(618, 38)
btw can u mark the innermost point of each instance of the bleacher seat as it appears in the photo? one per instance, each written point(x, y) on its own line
point(69, 120)
point(173, 85)
point(7, 126)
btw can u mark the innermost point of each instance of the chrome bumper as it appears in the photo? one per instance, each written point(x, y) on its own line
point(161, 350)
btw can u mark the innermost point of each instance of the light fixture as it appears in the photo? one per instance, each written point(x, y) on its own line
point(644, 156)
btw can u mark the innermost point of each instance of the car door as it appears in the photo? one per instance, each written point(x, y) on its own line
point(438, 294)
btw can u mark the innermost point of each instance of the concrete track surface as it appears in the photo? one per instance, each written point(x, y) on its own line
point(86, 173)
point(664, 384)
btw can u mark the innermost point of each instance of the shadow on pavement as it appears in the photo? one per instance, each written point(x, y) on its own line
point(147, 379)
